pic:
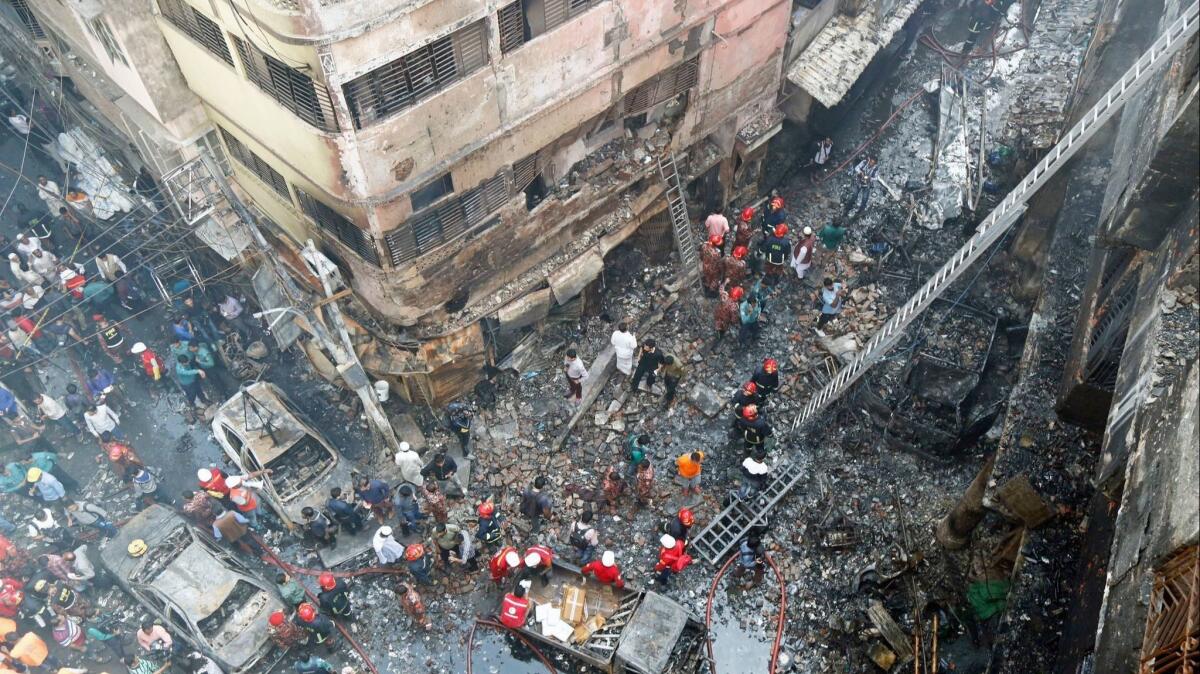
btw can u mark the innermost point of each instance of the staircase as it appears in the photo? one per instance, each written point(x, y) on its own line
point(731, 524)
point(728, 528)
point(681, 225)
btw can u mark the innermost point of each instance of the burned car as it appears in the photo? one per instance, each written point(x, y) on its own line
point(260, 428)
point(198, 590)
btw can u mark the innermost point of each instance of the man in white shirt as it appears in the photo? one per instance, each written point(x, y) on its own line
point(24, 276)
point(410, 464)
point(49, 193)
point(55, 411)
point(20, 123)
point(625, 345)
point(27, 244)
point(99, 419)
point(387, 549)
point(109, 264)
point(44, 263)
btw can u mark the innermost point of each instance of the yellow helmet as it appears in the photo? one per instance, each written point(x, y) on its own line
point(33, 475)
point(137, 548)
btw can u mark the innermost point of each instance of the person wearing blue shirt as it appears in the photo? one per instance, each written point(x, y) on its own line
point(8, 404)
point(182, 329)
point(45, 485)
point(190, 380)
point(749, 313)
point(99, 380)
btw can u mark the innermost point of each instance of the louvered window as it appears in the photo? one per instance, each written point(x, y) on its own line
point(524, 20)
point(195, 25)
point(28, 18)
point(256, 165)
point(416, 76)
point(99, 29)
point(662, 87)
point(446, 221)
point(358, 240)
point(299, 93)
point(1171, 642)
point(525, 172)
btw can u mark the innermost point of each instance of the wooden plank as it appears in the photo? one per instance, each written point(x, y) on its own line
point(1019, 496)
point(895, 636)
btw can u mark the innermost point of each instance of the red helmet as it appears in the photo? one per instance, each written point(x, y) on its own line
point(747, 214)
point(777, 203)
point(770, 365)
point(327, 581)
point(737, 293)
point(781, 230)
point(275, 619)
point(716, 240)
point(686, 517)
point(485, 509)
point(306, 612)
point(414, 552)
point(750, 412)
point(740, 252)
point(750, 387)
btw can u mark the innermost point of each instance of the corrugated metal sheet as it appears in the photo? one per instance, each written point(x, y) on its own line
point(840, 52)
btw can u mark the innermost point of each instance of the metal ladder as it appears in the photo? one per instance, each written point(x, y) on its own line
point(681, 225)
point(1003, 216)
point(731, 524)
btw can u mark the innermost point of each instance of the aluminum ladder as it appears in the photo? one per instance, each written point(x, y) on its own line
point(681, 225)
point(729, 526)
point(1002, 217)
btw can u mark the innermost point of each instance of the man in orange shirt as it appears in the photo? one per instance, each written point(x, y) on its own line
point(689, 466)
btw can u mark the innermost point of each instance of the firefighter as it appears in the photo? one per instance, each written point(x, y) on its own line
point(504, 562)
point(420, 563)
point(514, 608)
point(735, 266)
point(605, 570)
point(682, 523)
point(489, 532)
point(774, 214)
point(746, 395)
point(284, 634)
point(334, 597)
point(778, 251)
point(745, 229)
point(754, 429)
point(320, 629)
point(726, 314)
point(751, 561)
point(539, 563)
point(767, 378)
point(212, 481)
point(710, 264)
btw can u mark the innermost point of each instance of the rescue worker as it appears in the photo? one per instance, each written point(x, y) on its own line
point(735, 269)
point(753, 429)
point(320, 630)
point(503, 563)
point(489, 532)
point(777, 250)
point(680, 525)
point(539, 563)
point(413, 605)
point(751, 560)
point(605, 570)
point(774, 214)
point(514, 608)
point(746, 395)
point(756, 473)
point(243, 497)
point(334, 597)
point(767, 378)
point(802, 253)
point(152, 365)
point(671, 559)
point(458, 416)
point(726, 313)
point(749, 314)
point(710, 264)
point(420, 563)
point(212, 480)
point(111, 337)
point(452, 546)
point(61, 598)
point(319, 527)
point(745, 229)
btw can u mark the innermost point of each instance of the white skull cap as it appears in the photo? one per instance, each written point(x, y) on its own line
point(667, 540)
point(404, 446)
point(807, 231)
point(608, 558)
point(386, 532)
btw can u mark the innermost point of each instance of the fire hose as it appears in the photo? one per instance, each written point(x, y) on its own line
point(712, 663)
point(493, 623)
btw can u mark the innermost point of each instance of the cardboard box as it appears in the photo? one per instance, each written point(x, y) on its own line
point(585, 630)
point(574, 600)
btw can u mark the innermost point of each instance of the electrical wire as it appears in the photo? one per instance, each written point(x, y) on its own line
point(242, 21)
point(24, 154)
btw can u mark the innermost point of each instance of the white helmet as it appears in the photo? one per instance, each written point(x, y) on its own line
point(385, 531)
point(608, 558)
point(138, 348)
point(533, 559)
point(667, 540)
point(204, 475)
point(233, 481)
point(512, 558)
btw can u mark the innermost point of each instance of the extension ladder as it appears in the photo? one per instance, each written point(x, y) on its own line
point(681, 225)
point(1002, 217)
point(729, 526)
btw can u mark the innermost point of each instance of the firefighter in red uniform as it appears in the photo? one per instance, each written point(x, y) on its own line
point(735, 266)
point(710, 263)
point(11, 596)
point(745, 229)
point(605, 569)
point(285, 634)
point(726, 313)
point(503, 563)
point(514, 608)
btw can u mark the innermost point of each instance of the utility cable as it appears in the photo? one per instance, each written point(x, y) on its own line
point(24, 154)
